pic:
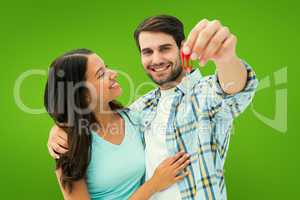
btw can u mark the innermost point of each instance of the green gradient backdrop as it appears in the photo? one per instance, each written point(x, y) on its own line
point(262, 162)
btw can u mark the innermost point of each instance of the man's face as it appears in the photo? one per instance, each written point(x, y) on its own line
point(160, 57)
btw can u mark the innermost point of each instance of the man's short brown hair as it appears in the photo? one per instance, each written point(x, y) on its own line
point(161, 23)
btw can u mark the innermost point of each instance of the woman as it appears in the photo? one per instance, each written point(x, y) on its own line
point(106, 156)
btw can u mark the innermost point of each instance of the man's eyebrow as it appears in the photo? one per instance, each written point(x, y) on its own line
point(146, 49)
point(160, 46)
point(165, 45)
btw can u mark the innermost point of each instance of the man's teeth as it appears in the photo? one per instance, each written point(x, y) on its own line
point(160, 69)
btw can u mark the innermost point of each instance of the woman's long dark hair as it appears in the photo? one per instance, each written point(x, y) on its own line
point(60, 101)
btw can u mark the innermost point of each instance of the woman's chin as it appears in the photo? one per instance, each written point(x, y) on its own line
point(117, 92)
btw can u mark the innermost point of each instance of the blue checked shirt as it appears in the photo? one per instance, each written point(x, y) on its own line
point(199, 123)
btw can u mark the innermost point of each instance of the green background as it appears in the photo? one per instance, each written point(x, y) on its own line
point(262, 162)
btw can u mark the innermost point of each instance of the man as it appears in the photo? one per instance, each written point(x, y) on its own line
point(187, 112)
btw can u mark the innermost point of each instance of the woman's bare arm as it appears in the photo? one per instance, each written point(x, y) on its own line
point(164, 176)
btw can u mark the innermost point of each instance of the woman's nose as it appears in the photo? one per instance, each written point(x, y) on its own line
point(113, 74)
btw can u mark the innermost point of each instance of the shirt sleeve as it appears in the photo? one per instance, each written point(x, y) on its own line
point(230, 105)
point(223, 108)
point(137, 105)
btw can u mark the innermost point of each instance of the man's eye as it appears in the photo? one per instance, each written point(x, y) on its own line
point(146, 52)
point(165, 49)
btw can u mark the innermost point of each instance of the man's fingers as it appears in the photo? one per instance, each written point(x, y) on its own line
point(57, 131)
point(215, 43)
point(188, 45)
point(62, 142)
point(62, 134)
point(204, 37)
point(58, 149)
point(231, 41)
point(52, 153)
point(228, 44)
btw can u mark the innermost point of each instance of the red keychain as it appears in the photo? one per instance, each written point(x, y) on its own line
point(186, 62)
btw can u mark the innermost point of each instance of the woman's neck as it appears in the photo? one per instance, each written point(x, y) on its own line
point(105, 116)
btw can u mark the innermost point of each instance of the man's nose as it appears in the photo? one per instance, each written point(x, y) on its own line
point(157, 58)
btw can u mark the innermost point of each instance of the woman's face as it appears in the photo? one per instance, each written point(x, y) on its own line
point(101, 81)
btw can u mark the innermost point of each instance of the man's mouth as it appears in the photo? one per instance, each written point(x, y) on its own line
point(160, 68)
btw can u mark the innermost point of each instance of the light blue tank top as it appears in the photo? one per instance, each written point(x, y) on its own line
point(116, 171)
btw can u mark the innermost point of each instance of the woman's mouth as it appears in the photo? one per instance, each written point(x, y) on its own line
point(114, 84)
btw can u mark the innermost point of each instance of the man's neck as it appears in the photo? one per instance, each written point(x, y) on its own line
point(174, 83)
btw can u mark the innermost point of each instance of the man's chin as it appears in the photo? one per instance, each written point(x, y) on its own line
point(165, 82)
point(159, 81)
point(167, 78)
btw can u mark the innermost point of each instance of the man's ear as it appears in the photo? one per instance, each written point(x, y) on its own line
point(182, 43)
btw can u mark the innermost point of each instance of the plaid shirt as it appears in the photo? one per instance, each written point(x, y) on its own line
point(199, 123)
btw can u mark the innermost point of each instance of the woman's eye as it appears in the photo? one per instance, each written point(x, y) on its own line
point(101, 74)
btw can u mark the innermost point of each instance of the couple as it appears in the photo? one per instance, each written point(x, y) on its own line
point(176, 135)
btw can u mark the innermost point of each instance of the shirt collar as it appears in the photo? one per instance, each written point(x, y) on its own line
point(189, 81)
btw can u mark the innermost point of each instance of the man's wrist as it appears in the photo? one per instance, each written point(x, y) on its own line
point(227, 63)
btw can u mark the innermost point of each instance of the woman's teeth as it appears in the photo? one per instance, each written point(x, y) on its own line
point(115, 84)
